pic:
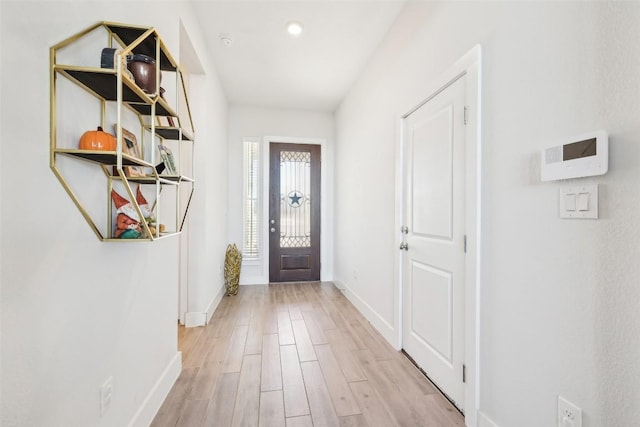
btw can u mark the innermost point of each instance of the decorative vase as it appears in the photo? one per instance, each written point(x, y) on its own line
point(143, 68)
point(232, 263)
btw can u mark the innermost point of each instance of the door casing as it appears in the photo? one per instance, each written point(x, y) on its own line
point(470, 65)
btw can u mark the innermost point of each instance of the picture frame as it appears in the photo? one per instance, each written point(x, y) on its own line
point(167, 157)
point(130, 146)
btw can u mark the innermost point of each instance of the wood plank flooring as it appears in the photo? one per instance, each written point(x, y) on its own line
point(296, 355)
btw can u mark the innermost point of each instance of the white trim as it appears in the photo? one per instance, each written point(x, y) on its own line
point(183, 273)
point(485, 421)
point(377, 321)
point(326, 240)
point(214, 303)
point(399, 223)
point(469, 64)
point(195, 318)
point(158, 393)
point(202, 318)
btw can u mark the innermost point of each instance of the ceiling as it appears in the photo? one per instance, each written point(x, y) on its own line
point(266, 67)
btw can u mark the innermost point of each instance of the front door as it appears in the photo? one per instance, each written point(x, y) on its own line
point(434, 261)
point(294, 213)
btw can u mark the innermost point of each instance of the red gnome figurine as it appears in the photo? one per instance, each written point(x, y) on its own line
point(127, 221)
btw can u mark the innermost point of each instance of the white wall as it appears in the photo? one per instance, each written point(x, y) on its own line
point(207, 234)
point(560, 298)
point(74, 310)
point(260, 123)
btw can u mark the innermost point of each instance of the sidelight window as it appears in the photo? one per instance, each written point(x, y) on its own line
point(251, 245)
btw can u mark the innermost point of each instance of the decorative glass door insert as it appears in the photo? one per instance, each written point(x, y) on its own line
point(295, 199)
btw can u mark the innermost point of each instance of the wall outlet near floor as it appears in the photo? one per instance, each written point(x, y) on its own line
point(569, 415)
point(106, 394)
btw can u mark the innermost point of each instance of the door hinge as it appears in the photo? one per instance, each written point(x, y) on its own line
point(465, 243)
point(466, 119)
point(464, 373)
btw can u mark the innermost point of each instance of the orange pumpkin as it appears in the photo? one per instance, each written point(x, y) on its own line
point(97, 140)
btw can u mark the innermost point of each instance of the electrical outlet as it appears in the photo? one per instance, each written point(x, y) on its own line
point(569, 415)
point(106, 394)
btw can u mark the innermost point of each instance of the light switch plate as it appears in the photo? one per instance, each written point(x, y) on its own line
point(579, 202)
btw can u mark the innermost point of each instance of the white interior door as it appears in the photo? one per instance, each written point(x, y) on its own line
point(434, 261)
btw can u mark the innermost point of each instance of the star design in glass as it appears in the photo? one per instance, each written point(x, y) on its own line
point(295, 199)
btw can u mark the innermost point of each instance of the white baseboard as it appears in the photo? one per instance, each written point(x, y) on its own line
point(195, 318)
point(386, 330)
point(214, 303)
point(151, 404)
point(485, 421)
point(201, 318)
point(339, 285)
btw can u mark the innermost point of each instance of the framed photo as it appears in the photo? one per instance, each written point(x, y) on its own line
point(130, 147)
point(167, 158)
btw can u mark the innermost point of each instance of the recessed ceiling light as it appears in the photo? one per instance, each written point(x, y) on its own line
point(294, 28)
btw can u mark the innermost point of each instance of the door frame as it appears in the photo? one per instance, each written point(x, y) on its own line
point(326, 245)
point(469, 65)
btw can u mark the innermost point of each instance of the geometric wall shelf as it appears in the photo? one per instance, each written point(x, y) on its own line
point(94, 83)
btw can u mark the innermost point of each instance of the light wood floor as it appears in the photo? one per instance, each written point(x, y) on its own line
point(297, 355)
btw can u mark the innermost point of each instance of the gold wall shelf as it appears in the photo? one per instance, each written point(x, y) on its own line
point(118, 96)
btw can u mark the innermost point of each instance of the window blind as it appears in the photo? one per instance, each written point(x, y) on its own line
point(251, 245)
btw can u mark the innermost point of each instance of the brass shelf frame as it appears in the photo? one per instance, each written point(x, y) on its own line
point(111, 85)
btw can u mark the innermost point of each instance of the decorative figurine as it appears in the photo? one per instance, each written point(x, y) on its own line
point(128, 222)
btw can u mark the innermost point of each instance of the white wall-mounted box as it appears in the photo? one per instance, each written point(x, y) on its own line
point(577, 157)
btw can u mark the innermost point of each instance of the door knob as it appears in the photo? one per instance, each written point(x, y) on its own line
point(273, 221)
point(404, 246)
point(273, 230)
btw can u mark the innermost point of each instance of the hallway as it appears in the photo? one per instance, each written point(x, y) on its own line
point(300, 353)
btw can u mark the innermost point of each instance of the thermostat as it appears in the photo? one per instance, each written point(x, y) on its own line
point(577, 157)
